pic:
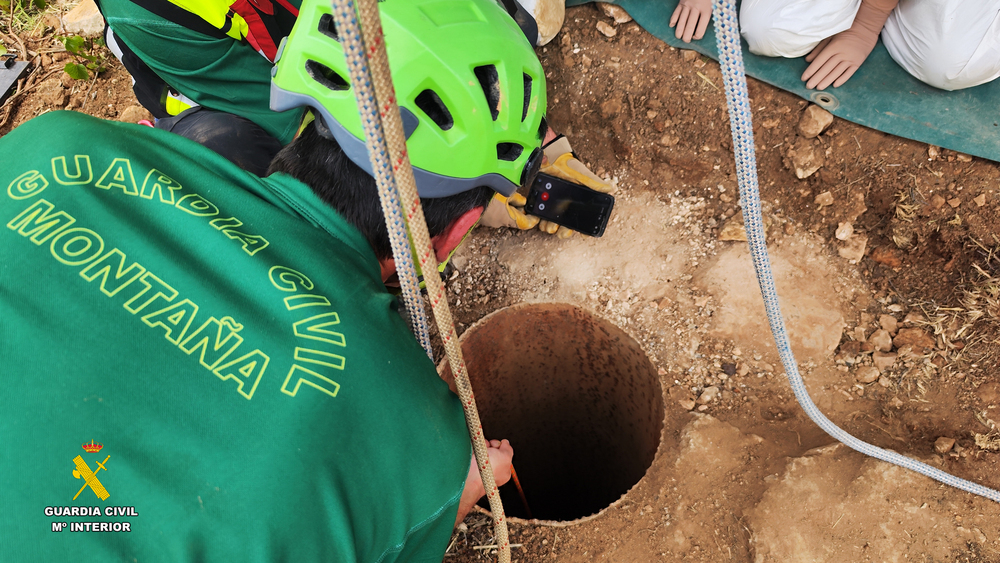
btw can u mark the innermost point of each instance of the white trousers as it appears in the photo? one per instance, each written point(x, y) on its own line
point(949, 44)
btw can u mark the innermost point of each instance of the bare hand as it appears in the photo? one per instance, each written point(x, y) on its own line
point(691, 18)
point(836, 59)
point(501, 455)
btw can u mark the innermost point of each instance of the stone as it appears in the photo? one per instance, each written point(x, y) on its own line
point(606, 29)
point(804, 158)
point(733, 230)
point(814, 121)
point(889, 323)
point(980, 200)
point(954, 202)
point(855, 206)
point(989, 393)
point(669, 140)
point(708, 395)
point(844, 231)
point(963, 157)
point(866, 374)
point(729, 368)
point(84, 20)
point(883, 360)
point(886, 255)
point(915, 337)
point(687, 404)
point(824, 199)
point(52, 93)
point(689, 55)
point(884, 381)
point(944, 445)
point(617, 13)
point(853, 248)
point(880, 340)
point(135, 114)
point(914, 318)
point(549, 17)
point(611, 107)
point(937, 201)
point(933, 152)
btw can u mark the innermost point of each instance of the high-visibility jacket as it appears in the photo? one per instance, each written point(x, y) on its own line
point(261, 23)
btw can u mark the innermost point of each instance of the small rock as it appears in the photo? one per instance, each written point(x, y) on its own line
point(880, 340)
point(980, 200)
point(744, 368)
point(615, 12)
point(963, 157)
point(733, 230)
point(989, 393)
point(459, 261)
point(611, 107)
point(896, 403)
point(937, 201)
point(651, 114)
point(729, 368)
point(764, 366)
point(804, 158)
point(814, 121)
point(52, 93)
point(915, 337)
point(944, 445)
point(886, 255)
point(954, 202)
point(853, 248)
point(884, 381)
point(689, 55)
point(866, 374)
point(669, 140)
point(708, 395)
point(687, 404)
point(933, 152)
point(84, 20)
point(824, 199)
point(135, 114)
point(844, 230)
point(606, 29)
point(855, 207)
point(888, 322)
point(883, 360)
point(851, 348)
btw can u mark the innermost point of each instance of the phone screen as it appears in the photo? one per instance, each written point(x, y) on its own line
point(570, 205)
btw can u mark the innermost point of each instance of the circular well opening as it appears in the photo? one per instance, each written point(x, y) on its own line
point(578, 399)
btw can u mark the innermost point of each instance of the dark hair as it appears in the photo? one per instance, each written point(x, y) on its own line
point(320, 163)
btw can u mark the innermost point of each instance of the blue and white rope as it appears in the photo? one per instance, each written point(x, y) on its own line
point(345, 17)
point(734, 77)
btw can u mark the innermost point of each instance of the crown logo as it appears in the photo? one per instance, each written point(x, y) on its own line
point(92, 447)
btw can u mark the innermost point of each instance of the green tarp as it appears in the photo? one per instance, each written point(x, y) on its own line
point(880, 95)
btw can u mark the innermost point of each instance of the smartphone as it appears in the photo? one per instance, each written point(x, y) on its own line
point(571, 205)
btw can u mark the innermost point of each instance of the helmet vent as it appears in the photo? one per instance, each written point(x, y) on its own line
point(327, 27)
point(509, 151)
point(326, 76)
point(431, 104)
point(490, 82)
point(527, 97)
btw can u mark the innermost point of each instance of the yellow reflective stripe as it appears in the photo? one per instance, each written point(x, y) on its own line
point(212, 11)
point(239, 29)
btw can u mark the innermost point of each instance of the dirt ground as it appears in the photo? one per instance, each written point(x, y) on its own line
point(894, 326)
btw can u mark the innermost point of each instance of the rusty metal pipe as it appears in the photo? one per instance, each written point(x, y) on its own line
point(577, 398)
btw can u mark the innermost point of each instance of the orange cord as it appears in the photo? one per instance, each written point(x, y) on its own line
point(520, 491)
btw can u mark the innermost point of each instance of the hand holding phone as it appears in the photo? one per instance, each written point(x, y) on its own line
point(571, 205)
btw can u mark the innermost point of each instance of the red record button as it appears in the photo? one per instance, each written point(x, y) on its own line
point(545, 196)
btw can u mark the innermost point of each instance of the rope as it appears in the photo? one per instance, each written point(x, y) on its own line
point(382, 170)
point(387, 150)
point(734, 77)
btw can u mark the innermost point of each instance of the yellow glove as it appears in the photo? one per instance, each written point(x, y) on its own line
point(505, 212)
point(562, 163)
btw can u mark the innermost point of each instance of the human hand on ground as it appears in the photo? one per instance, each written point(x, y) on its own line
point(836, 58)
point(561, 162)
point(691, 18)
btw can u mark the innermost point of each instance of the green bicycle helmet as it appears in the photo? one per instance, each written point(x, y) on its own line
point(470, 89)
